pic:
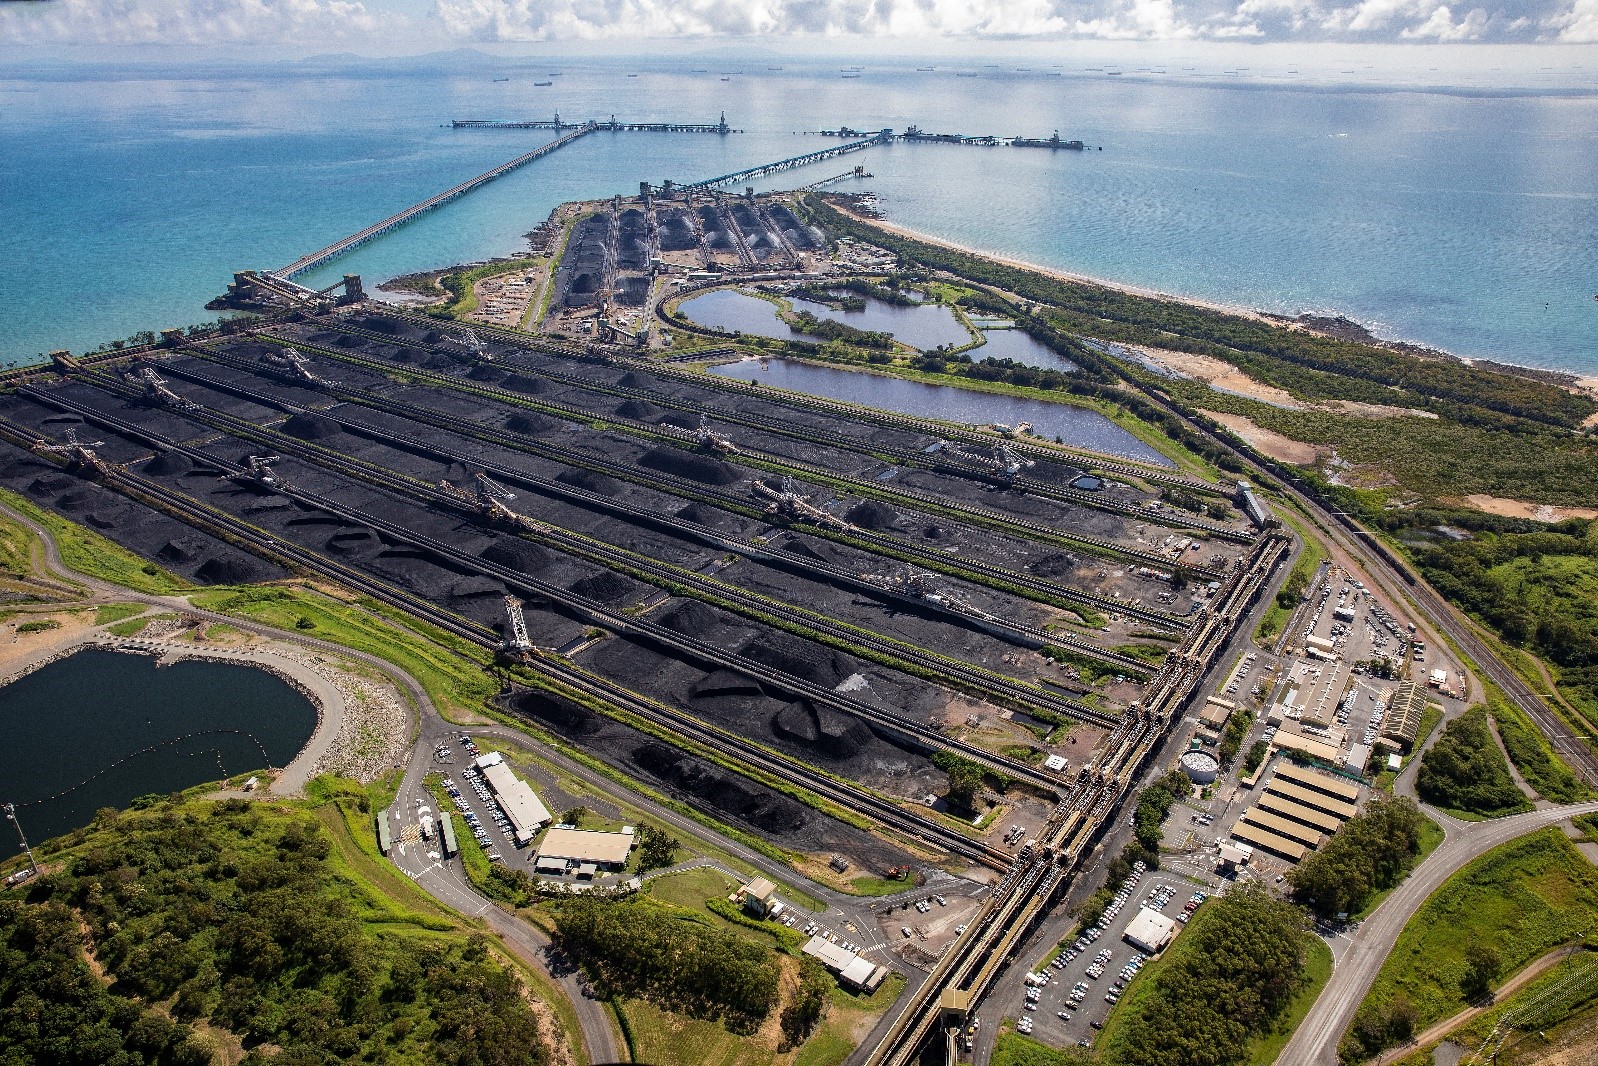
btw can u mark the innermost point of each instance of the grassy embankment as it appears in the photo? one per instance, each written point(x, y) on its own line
point(87, 552)
point(1311, 554)
point(1523, 899)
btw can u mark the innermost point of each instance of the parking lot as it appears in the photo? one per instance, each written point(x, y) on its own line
point(484, 820)
point(1080, 984)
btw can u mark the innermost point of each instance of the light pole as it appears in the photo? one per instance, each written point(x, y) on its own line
point(11, 813)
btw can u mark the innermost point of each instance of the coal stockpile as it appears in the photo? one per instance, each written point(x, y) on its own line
point(169, 463)
point(836, 734)
point(690, 618)
point(352, 542)
point(189, 553)
point(788, 654)
point(791, 228)
point(632, 241)
point(526, 383)
point(1057, 565)
point(872, 514)
point(607, 587)
point(703, 515)
point(519, 555)
point(530, 424)
point(760, 242)
point(590, 480)
point(488, 375)
point(632, 290)
point(680, 419)
point(765, 811)
point(309, 426)
point(675, 232)
point(702, 468)
point(582, 268)
point(717, 237)
point(639, 411)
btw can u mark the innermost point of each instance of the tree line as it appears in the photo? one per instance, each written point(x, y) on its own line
point(1372, 851)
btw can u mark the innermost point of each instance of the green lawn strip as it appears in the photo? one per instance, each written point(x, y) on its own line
point(116, 612)
point(666, 1038)
point(450, 670)
point(87, 552)
point(1311, 554)
point(1013, 1049)
point(129, 628)
point(1524, 899)
point(1264, 1049)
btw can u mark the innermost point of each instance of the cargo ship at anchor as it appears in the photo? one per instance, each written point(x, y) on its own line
point(1053, 142)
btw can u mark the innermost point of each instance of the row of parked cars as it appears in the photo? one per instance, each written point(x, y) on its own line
point(473, 822)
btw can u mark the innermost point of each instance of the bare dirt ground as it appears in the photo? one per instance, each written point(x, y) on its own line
point(1268, 441)
point(1541, 512)
point(1223, 376)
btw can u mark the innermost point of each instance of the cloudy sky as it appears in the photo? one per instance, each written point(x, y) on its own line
point(445, 23)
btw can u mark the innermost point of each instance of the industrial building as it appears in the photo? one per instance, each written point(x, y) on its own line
point(1150, 931)
point(1296, 811)
point(527, 814)
point(853, 971)
point(585, 852)
point(1403, 717)
point(759, 897)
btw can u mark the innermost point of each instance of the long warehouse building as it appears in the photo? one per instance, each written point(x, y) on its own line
point(520, 803)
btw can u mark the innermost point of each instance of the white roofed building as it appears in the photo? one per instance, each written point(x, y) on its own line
point(526, 812)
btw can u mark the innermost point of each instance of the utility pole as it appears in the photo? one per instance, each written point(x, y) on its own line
point(11, 813)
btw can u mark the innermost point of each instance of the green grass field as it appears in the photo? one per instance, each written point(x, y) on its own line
point(1524, 899)
point(88, 552)
point(1013, 1049)
point(116, 612)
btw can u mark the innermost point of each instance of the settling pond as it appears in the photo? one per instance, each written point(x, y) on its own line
point(922, 326)
point(98, 710)
point(1076, 426)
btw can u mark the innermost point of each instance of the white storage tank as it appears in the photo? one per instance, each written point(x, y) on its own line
point(1201, 766)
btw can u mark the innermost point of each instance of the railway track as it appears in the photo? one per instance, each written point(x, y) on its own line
point(846, 794)
point(1096, 460)
point(935, 462)
point(905, 497)
point(1019, 633)
point(996, 577)
point(886, 650)
point(591, 611)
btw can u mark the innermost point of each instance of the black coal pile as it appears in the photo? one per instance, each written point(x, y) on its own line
point(1057, 565)
point(689, 617)
point(936, 533)
point(379, 324)
point(100, 521)
point(308, 425)
point(631, 380)
point(826, 730)
point(519, 555)
point(632, 290)
point(529, 423)
point(526, 383)
point(809, 662)
point(606, 587)
point(570, 719)
point(432, 336)
point(349, 340)
point(590, 480)
point(352, 542)
point(181, 550)
point(822, 552)
point(725, 683)
point(680, 419)
point(640, 411)
point(690, 465)
point(763, 810)
point(488, 375)
point(705, 516)
point(169, 464)
point(476, 587)
point(18, 469)
point(437, 361)
point(50, 484)
point(230, 570)
point(872, 514)
point(75, 501)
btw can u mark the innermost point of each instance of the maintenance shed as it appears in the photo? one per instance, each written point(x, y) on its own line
point(852, 971)
point(520, 803)
point(1150, 931)
point(588, 851)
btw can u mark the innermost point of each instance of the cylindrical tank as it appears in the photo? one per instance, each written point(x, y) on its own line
point(1200, 766)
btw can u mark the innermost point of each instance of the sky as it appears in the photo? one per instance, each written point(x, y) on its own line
point(407, 25)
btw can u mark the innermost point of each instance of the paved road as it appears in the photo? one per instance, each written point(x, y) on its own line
point(1315, 1041)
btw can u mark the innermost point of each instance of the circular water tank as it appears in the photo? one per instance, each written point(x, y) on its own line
point(1200, 766)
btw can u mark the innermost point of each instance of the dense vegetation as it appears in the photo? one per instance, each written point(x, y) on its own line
point(1522, 899)
point(830, 330)
point(1529, 751)
point(965, 778)
point(1538, 588)
point(1228, 978)
point(1371, 852)
point(1466, 771)
point(235, 915)
point(642, 949)
point(801, 1016)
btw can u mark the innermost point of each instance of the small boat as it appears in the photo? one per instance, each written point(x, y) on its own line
point(502, 79)
point(542, 84)
point(632, 75)
point(726, 79)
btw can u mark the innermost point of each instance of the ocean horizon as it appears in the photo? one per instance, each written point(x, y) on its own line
point(1460, 217)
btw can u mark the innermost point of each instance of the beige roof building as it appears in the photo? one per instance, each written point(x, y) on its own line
point(567, 847)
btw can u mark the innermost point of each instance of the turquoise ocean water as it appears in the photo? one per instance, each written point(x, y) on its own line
point(1468, 221)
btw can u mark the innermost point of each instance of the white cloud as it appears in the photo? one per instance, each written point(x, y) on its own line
point(1440, 25)
point(1580, 24)
point(186, 21)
